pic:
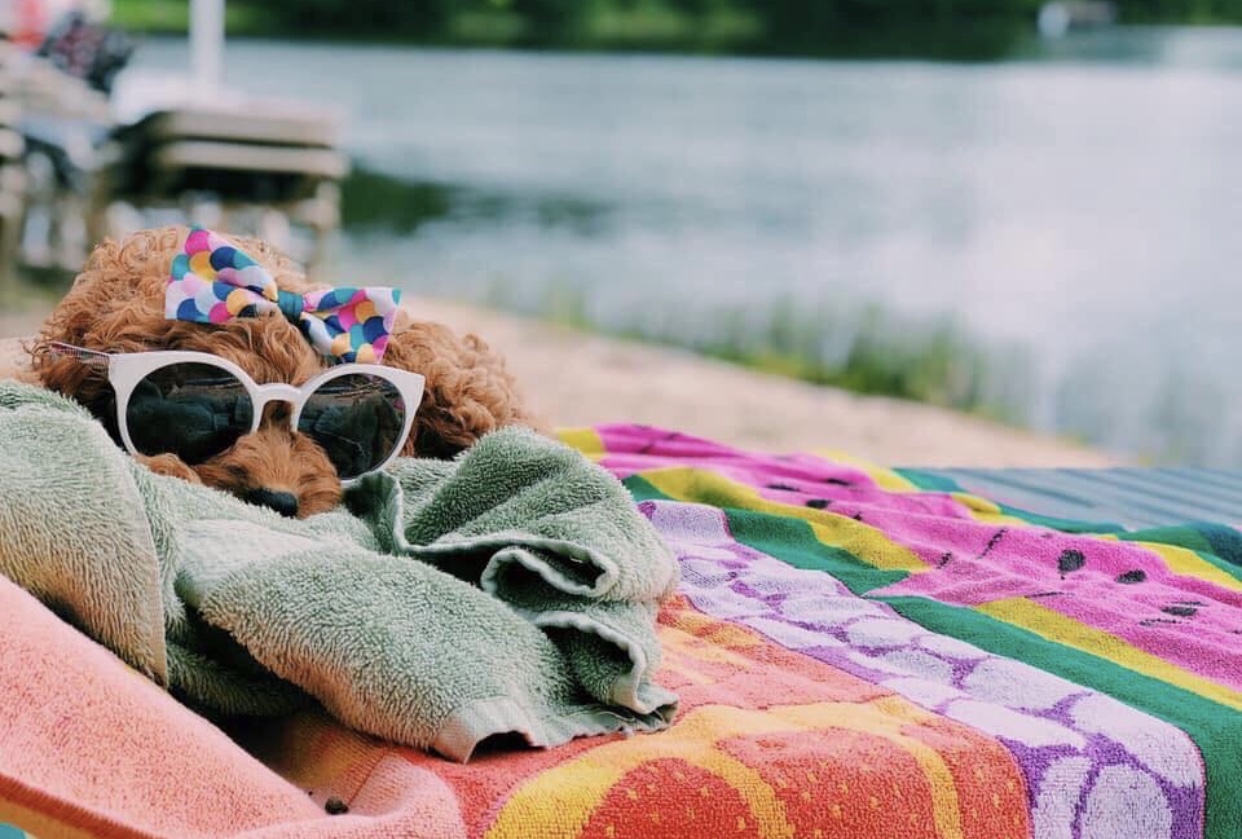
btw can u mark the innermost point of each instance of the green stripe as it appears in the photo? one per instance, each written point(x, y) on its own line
point(644, 490)
point(787, 540)
point(1218, 546)
point(1190, 538)
point(788, 536)
point(931, 482)
point(1214, 728)
point(1176, 535)
point(1223, 541)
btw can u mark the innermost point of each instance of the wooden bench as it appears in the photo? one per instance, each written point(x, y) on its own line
point(244, 168)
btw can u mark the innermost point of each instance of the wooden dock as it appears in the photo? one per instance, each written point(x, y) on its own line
point(71, 175)
point(257, 171)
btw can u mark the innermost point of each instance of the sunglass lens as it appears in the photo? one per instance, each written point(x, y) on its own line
point(357, 419)
point(194, 411)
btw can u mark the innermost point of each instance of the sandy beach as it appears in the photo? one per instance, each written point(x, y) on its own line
point(575, 379)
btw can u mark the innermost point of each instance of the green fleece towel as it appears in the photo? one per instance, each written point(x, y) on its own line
point(513, 590)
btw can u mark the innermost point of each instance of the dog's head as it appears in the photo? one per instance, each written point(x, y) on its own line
point(117, 305)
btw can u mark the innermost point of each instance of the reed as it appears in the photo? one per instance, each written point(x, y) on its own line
point(865, 349)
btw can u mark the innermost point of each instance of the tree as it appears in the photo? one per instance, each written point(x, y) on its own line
point(413, 18)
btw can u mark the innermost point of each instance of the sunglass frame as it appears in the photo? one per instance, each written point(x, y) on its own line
point(126, 370)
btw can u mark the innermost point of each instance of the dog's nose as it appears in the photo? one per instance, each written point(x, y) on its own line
point(285, 503)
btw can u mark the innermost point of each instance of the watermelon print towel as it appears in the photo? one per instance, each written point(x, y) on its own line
point(1109, 664)
point(858, 652)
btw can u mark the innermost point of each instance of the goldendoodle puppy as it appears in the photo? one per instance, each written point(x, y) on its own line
point(290, 447)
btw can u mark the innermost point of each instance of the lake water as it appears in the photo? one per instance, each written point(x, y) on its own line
point(1079, 207)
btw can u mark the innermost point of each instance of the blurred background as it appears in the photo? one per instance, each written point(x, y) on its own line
point(1021, 210)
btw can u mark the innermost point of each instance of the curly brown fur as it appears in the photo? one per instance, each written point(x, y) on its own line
point(117, 305)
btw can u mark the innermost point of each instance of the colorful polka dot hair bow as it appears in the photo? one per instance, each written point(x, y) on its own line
point(213, 281)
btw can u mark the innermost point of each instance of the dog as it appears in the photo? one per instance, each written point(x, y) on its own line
point(118, 304)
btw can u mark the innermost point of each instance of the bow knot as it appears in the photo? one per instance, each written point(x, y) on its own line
point(291, 305)
point(212, 281)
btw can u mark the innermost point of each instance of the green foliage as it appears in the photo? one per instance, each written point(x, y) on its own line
point(370, 200)
point(968, 28)
point(422, 19)
point(1180, 11)
point(953, 29)
point(174, 16)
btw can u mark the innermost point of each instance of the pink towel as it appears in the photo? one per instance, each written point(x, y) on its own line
point(99, 750)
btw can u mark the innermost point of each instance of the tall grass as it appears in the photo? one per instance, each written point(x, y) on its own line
point(865, 349)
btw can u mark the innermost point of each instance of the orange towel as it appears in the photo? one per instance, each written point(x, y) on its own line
point(772, 742)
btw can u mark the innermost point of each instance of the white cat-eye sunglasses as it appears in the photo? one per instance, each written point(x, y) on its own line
point(196, 405)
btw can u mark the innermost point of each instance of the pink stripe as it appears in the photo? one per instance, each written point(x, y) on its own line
point(1185, 620)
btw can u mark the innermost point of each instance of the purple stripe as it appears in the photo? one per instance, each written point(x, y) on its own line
point(1093, 765)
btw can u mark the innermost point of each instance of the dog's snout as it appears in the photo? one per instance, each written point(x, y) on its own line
point(285, 503)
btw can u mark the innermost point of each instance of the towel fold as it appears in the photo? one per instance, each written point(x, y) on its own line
point(513, 590)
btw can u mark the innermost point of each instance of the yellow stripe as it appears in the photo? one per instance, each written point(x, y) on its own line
point(868, 543)
point(981, 509)
point(590, 443)
point(884, 478)
point(1178, 559)
point(571, 792)
point(1054, 626)
point(585, 440)
point(1185, 562)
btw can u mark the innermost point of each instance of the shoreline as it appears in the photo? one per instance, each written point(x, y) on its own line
point(575, 378)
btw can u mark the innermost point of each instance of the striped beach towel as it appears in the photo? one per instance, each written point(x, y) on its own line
point(858, 651)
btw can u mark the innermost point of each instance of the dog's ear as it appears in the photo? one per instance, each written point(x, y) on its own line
point(110, 307)
point(468, 390)
point(116, 304)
